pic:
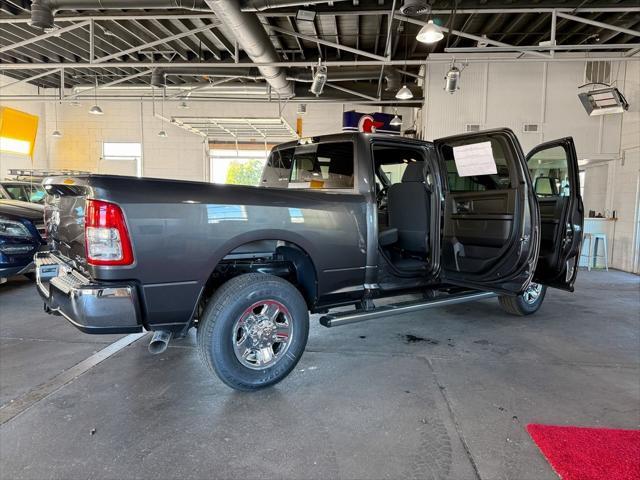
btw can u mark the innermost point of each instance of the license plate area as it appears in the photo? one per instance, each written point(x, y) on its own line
point(46, 272)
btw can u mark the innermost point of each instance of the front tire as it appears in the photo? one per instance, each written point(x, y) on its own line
point(527, 302)
point(253, 331)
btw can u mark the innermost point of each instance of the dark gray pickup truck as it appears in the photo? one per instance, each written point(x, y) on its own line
point(339, 220)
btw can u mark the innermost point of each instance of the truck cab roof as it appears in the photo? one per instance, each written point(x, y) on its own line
point(353, 136)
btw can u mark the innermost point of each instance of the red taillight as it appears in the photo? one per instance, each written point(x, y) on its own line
point(106, 237)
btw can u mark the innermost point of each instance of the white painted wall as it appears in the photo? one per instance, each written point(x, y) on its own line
point(183, 155)
point(624, 179)
point(509, 95)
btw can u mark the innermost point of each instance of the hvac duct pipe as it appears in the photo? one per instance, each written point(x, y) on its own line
point(43, 11)
point(253, 39)
point(159, 74)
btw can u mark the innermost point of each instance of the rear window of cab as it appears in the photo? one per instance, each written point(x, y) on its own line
point(325, 166)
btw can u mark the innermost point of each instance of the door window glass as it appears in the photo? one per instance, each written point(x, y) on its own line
point(550, 173)
point(17, 192)
point(394, 172)
point(478, 183)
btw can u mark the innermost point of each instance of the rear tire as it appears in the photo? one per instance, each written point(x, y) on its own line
point(253, 331)
point(526, 303)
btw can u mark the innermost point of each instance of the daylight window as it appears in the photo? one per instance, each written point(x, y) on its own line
point(11, 145)
point(237, 166)
point(121, 151)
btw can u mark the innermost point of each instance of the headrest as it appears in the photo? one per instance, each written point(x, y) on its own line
point(414, 172)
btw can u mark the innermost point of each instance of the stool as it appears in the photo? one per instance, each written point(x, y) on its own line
point(592, 251)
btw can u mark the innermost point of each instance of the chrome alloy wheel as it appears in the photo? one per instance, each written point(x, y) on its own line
point(262, 334)
point(532, 293)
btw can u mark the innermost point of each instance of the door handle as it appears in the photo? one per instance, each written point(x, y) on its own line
point(463, 207)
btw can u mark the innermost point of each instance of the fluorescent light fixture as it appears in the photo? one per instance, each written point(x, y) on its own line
point(56, 134)
point(162, 134)
point(305, 15)
point(404, 93)
point(430, 33)
point(96, 110)
point(603, 101)
point(396, 121)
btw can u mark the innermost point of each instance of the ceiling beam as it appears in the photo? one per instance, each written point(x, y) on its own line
point(291, 13)
point(306, 64)
point(352, 92)
point(55, 33)
point(310, 38)
point(31, 78)
point(531, 48)
point(110, 84)
point(115, 16)
point(594, 23)
point(470, 36)
point(153, 44)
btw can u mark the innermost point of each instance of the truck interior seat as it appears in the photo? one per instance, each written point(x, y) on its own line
point(409, 206)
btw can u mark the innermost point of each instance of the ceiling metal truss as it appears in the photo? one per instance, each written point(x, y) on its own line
point(123, 47)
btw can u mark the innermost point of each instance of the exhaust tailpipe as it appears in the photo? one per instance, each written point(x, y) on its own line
point(160, 341)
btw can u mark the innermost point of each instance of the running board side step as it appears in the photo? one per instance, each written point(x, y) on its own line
point(344, 318)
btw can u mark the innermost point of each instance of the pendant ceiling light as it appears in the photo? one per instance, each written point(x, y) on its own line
point(396, 121)
point(430, 33)
point(56, 133)
point(404, 93)
point(96, 110)
point(162, 132)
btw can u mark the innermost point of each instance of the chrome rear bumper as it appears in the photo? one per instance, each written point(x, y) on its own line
point(91, 307)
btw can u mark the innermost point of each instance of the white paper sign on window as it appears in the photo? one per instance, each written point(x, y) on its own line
point(475, 159)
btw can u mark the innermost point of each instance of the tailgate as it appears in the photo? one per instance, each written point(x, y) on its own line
point(64, 216)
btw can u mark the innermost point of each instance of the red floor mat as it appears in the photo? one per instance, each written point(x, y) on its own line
point(578, 453)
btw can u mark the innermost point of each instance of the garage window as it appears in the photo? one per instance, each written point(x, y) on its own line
point(237, 166)
point(121, 151)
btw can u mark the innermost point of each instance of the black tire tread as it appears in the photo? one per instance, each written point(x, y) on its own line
point(510, 305)
point(514, 305)
point(226, 293)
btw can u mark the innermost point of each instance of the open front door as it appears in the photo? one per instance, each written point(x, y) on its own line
point(553, 167)
point(490, 229)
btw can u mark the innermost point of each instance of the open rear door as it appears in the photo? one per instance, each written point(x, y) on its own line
point(490, 229)
point(553, 167)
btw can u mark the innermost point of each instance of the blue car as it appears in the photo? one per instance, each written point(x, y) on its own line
point(22, 234)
